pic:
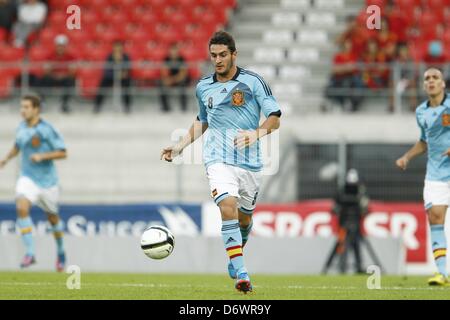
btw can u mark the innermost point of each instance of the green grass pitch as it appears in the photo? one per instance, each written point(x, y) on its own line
point(35, 285)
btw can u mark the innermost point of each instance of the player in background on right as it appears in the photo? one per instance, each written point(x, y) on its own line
point(433, 118)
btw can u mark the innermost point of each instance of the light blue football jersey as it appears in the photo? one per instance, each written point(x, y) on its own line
point(231, 106)
point(434, 123)
point(41, 138)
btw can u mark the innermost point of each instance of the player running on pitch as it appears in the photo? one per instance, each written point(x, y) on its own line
point(433, 118)
point(230, 103)
point(39, 144)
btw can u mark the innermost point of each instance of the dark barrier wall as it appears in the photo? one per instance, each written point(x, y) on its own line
point(375, 163)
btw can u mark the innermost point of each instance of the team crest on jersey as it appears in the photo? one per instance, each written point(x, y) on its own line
point(210, 102)
point(446, 120)
point(237, 98)
point(35, 141)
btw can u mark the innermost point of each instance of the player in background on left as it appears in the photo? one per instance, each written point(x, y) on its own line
point(39, 144)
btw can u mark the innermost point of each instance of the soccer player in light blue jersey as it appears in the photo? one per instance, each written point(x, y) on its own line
point(433, 118)
point(230, 103)
point(39, 144)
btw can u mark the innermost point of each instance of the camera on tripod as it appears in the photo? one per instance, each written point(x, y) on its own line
point(350, 205)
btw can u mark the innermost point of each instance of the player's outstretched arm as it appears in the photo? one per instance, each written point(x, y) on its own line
point(246, 138)
point(419, 148)
point(54, 155)
point(11, 154)
point(197, 129)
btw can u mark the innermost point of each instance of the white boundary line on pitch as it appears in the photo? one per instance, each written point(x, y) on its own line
point(154, 285)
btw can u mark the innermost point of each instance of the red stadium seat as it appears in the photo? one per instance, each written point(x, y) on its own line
point(98, 4)
point(6, 85)
point(200, 36)
point(427, 19)
point(379, 3)
point(11, 55)
point(192, 53)
point(57, 18)
point(79, 37)
point(3, 34)
point(436, 4)
point(160, 8)
point(88, 80)
point(408, 7)
point(155, 51)
point(146, 73)
point(231, 3)
point(89, 17)
point(39, 53)
point(47, 36)
point(407, 3)
point(109, 34)
point(134, 50)
point(429, 33)
point(194, 73)
point(178, 19)
point(8, 53)
point(187, 5)
point(167, 34)
point(446, 37)
point(149, 20)
point(62, 4)
point(417, 51)
point(115, 19)
point(141, 36)
point(36, 55)
point(124, 3)
point(95, 51)
point(223, 5)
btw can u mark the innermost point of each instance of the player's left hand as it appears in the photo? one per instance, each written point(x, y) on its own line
point(36, 157)
point(447, 153)
point(245, 138)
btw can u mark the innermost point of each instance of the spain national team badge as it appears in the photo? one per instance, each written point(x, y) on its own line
point(446, 120)
point(237, 98)
point(35, 141)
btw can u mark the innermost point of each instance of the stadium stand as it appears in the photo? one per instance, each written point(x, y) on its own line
point(147, 27)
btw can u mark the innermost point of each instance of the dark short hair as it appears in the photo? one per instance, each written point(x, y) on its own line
point(223, 37)
point(35, 100)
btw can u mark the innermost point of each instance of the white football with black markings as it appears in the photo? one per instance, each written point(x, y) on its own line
point(157, 242)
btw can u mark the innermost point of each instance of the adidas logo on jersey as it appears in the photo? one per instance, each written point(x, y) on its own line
point(230, 239)
point(224, 90)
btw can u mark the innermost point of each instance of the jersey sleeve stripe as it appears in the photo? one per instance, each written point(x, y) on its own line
point(264, 84)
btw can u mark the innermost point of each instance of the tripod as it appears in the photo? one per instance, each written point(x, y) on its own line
point(349, 236)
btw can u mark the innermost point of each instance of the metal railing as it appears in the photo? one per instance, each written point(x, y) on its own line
point(394, 92)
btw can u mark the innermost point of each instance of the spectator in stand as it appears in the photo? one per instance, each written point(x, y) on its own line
point(357, 34)
point(408, 77)
point(174, 74)
point(375, 76)
point(387, 41)
point(345, 76)
point(59, 72)
point(118, 61)
point(8, 13)
point(31, 16)
point(435, 54)
point(397, 20)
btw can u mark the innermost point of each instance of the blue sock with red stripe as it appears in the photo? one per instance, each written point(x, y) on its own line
point(439, 245)
point(26, 230)
point(232, 238)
